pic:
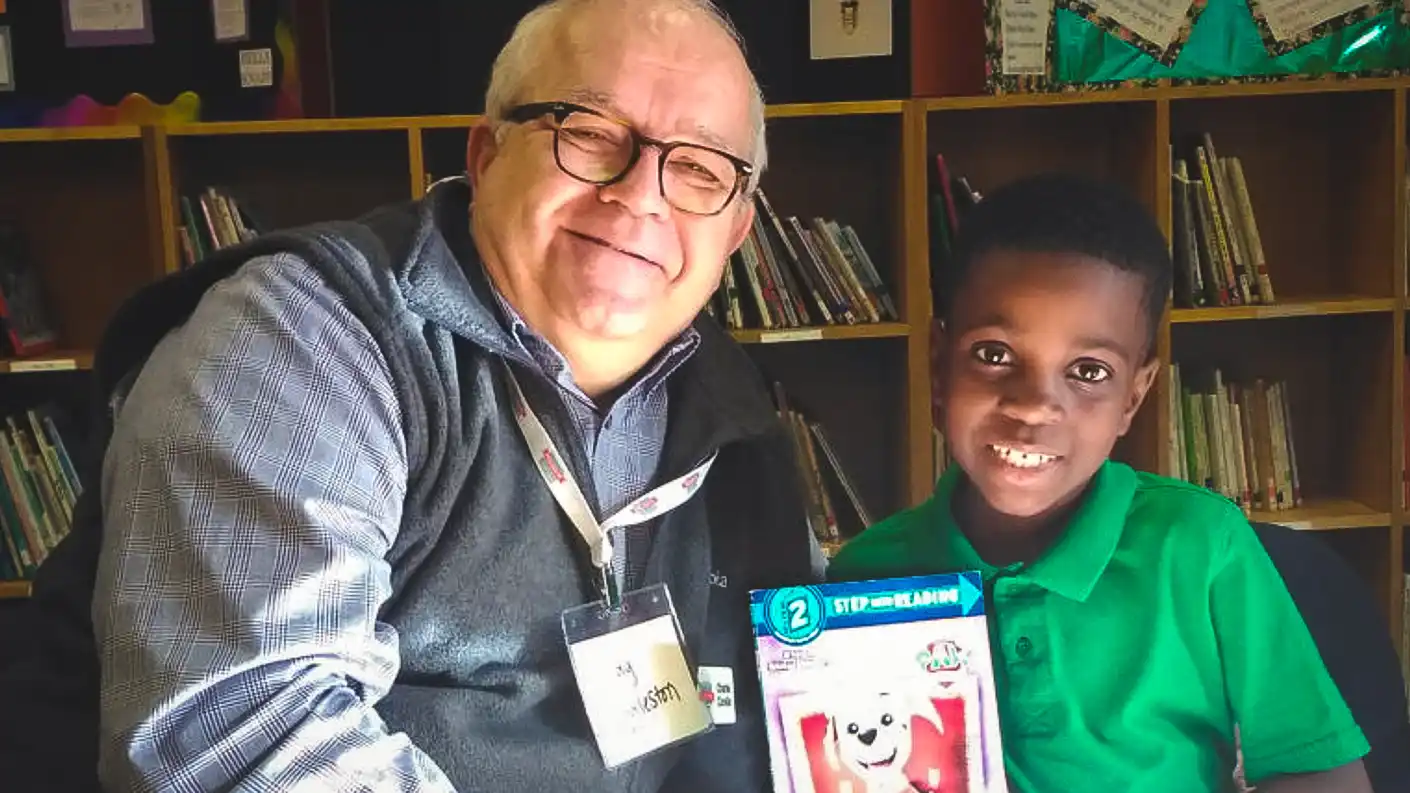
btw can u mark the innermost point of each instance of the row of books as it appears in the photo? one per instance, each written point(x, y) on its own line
point(212, 219)
point(791, 273)
point(1235, 438)
point(824, 478)
point(1218, 253)
point(39, 488)
point(1405, 633)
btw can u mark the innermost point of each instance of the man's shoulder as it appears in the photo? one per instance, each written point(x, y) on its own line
point(886, 548)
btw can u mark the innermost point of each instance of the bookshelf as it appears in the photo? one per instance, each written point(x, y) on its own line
point(1325, 167)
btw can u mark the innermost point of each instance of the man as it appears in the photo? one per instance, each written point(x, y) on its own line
point(330, 559)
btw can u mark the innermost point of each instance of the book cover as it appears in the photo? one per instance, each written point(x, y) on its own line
point(883, 686)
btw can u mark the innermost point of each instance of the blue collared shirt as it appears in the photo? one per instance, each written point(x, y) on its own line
point(622, 443)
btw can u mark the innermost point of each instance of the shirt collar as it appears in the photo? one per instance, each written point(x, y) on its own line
point(555, 366)
point(1072, 566)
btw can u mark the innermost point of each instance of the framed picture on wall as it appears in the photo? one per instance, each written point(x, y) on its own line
point(849, 28)
point(7, 62)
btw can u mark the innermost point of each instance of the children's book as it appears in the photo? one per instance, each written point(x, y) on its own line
point(882, 686)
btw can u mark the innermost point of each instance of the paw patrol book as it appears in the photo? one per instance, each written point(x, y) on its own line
point(882, 686)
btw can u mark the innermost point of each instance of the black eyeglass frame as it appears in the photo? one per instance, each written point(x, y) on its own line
point(560, 112)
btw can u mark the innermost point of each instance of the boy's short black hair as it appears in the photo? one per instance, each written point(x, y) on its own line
point(1063, 213)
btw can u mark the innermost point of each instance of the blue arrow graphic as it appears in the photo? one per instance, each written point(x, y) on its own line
point(969, 594)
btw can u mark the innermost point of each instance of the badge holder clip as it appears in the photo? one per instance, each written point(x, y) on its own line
point(631, 667)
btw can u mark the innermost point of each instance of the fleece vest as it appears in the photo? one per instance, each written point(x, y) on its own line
point(485, 561)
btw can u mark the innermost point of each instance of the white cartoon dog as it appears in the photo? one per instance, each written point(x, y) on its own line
point(870, 734)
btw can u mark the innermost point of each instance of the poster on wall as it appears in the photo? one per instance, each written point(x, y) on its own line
point(257, 68)
point(106, 23)
point(232, 19)
point(7, 64)
point(849, 28)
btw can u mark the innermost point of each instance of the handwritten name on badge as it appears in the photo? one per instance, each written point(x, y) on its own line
point(638, 690)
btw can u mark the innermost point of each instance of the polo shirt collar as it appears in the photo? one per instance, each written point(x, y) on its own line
point(1072, 566)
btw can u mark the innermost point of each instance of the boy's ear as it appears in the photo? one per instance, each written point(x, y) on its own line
point(939, 371)
point(1140, 386)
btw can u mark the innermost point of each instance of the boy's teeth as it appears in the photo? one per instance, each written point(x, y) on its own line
point(1021, 459)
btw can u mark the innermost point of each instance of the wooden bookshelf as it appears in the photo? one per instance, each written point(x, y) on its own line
point(52, 361)
point(1307, 307)
point(876, 330)
point(1324, 163)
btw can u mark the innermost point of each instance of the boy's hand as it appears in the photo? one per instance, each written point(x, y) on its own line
point(1350, 778)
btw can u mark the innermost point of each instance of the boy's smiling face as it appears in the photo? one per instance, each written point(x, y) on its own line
point(1041, 369)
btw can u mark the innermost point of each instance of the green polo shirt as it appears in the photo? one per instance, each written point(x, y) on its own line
point(1125, 655)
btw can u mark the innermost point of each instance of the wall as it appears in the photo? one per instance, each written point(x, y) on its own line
point(183, 57)
point(435, 56)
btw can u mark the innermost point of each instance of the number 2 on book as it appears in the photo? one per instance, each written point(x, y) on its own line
point(798, 609)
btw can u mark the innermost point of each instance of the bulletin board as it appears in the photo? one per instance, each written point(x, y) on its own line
point(1056, 45)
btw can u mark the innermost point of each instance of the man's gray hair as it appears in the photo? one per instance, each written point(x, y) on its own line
point(529, 42)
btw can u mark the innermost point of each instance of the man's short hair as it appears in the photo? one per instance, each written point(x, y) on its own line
point(1066, 214)
point(529, 42)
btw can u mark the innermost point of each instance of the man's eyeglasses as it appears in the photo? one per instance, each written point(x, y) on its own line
point(594, 148)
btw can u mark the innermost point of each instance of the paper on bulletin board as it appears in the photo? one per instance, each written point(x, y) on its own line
point(99, 23)
point(7, 65)
point(1156, 21)
point(849, 28)
point(1289, 18)
point(232, 19)
point(1024, 29)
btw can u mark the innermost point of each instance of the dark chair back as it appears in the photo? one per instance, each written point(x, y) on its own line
point(1349, 629)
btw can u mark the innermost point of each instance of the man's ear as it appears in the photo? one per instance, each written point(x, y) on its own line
point(939, 371)
point(743, 221)
point(1140, 386)
point(480, 151)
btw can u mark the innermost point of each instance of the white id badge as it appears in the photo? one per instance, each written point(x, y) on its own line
point(633, 675)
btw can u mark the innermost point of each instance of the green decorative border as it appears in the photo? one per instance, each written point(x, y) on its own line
point(1164, 54)
point(1177, 82)
point(1277, 46)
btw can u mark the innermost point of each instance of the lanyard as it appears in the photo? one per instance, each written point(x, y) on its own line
point(559, 478)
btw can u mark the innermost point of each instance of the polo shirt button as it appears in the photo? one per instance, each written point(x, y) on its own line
point(1024, 646)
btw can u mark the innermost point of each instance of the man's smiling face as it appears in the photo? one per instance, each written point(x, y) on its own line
point(616, 262)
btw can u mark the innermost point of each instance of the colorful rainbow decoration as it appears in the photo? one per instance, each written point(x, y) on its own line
point(84, 111)
point(137, 109)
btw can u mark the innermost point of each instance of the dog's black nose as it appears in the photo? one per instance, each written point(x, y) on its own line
point(867, 737)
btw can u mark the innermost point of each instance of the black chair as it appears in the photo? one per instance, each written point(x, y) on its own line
point(10, 633)
point(1349, 629)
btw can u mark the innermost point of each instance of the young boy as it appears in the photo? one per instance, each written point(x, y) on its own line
point(1135, 619)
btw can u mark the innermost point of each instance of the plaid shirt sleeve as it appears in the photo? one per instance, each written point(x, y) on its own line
point(252, 487)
